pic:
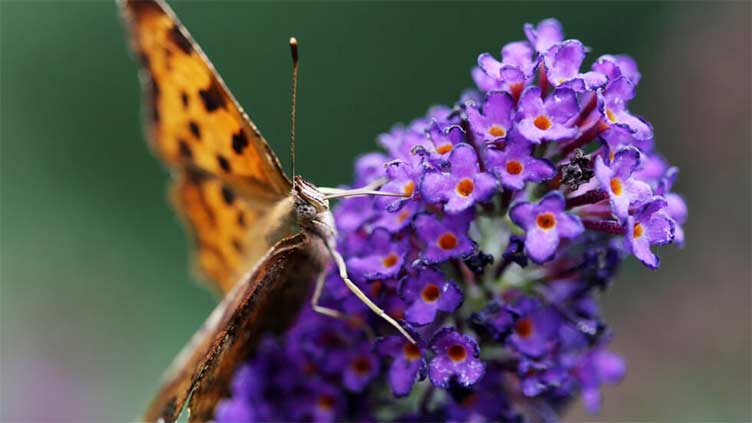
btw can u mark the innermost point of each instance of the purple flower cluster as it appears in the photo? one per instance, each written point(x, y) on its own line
point(520, 202)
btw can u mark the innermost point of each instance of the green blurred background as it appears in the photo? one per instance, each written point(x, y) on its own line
point(96, 293)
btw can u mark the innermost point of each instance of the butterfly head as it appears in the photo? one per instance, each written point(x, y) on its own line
point(309, 201)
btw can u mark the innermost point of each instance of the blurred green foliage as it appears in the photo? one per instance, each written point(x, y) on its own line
point(96, 297)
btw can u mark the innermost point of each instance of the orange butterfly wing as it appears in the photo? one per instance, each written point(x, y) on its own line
point(197, 127)
point(220, 221)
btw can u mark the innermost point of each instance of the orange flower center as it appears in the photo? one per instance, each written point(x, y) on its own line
point(497, 131)
point(411, 352)
point(447, 241)
point(457, 353)
point(638, 230)
point(465, 187)
point(523, 328)
point(390, 260)
point(430, 293)
point(546, 220)
point(376, 288)
point(361, 365)
point(326, 402)
point(444, 148)
point(409, 188)
point(610, 115)
point(616, 186)
point(542, 122)
point(514, 167)
point(403, 215)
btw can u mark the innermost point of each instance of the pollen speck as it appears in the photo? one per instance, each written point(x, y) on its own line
point(616, 186)
point(542, 122)
point(361, 365)
point(546, 220)
point(411, 352)
point(444, 148)
point(457, 353)
point(610, 115)
point(430, 293)
point(447, 241)
point(497, 131)
point(523, 328)
point(390, 260)
point(465, 187)
point(638, 230)
point(409, 188)
point(514, 167)
point(326, 402)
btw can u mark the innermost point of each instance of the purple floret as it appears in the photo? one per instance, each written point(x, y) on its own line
point(494, 120)
point(623, 190)
point(427, 293)
point(444, 238)
point(545, 223)
point(462, 186)
point(514, 165)
point(544, 35)
point(383, 259)
point(550, 120)
point(649, 226)
point(456, 357)
point(408, 363)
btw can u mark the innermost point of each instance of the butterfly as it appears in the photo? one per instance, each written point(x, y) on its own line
point(261, 238)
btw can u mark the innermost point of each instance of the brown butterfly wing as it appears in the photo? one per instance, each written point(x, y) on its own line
point(223, 225)
point(268, 301)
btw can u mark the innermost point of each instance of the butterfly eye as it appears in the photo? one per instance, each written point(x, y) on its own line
point(305, 212)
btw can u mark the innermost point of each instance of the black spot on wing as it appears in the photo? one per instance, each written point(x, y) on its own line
point(241, 219)
point(223, 163)
point(239, 141)
point(184, 99)
point(169, 408)
point(212, 96)
point(227, 195)
point(154, 93)
point(184, 149)
point(180, 40)
point(237, 245)
point(195, 130)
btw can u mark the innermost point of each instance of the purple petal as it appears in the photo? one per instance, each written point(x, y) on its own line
point(540, 245)
point(569, 226)
point(547, 33)
point(451, 297)
point(436, 186)
point(522, 214)
point(552, 202)
point(402, 375)
point(563, 61)
point(490, 65)
point(464, 161)
point(530, 104)
point(421, 313)
point(659, 230)
point(562, 105)
point(483, 81)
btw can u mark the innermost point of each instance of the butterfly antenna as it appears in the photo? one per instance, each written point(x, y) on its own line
point(294, 53)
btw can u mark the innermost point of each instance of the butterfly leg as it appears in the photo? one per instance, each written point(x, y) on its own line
point(326, 311)
point(330, 312)
point(342, 268)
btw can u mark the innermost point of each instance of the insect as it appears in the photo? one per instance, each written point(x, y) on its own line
point(261, 238)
